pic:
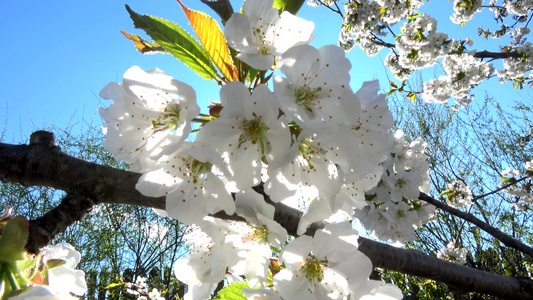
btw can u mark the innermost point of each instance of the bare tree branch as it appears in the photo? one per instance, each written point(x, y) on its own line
point(43, 164)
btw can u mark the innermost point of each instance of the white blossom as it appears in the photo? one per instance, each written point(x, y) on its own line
point(460, 194)
point(316, 85)
point(150, 109)
point(247, 132)
point(465, 10)
point(188, 178)
point(261, 33)
point(65, 279)
point(453, 253)
point(41, 292)
point(327, 266)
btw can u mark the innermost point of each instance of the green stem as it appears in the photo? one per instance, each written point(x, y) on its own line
point(12, 280)
point(200, 120)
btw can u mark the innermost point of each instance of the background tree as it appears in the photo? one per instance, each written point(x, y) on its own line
point(116, 241)
point(474, 145)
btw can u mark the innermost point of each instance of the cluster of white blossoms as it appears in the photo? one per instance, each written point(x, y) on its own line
point(392, 210)
point(465, 10)
point(459, 194)
point(518, 7)
point(369, 23)
point(453, 253)
point(463, 71)
point(519, 185)
point(318, 140)
point(515, 68)
point(139, 289)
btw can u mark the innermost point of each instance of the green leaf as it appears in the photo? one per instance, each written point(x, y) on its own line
point(176, 41)
point(23, 265)
point(14, 239)
point(292, 6)
point(274, 249)
point(232, 291)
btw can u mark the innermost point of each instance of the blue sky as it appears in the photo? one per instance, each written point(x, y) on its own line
point(58, 55)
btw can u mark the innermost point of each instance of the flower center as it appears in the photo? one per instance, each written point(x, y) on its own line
point(169, 119)
point(308, 151)
point(259, 235)
point(254, 131)
point(304, 96)
point(313, 269)
point(197, 169)
point(261, 41)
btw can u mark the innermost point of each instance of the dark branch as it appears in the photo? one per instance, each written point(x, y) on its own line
point(467, 279)
point(44, 229)
point(44, 164)
point(497, 55)
point(495, 232)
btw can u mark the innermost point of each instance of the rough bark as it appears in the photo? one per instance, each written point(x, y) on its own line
point(41, 163)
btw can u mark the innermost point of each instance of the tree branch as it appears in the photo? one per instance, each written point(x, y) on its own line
point(495, 232)
point(42, 163)
point(497, 55)
point(44, 229)
point(467, 279)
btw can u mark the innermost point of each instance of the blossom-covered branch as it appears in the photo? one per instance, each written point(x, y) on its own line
point(59, 170)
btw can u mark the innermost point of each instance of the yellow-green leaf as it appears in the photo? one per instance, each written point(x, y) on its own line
point(212, 38)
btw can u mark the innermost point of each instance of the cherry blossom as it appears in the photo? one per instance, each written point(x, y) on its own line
point(149, 109)
point(315, 86)
point(247, 132)
point(261, 33)
point(460, 194)
point(41, 292)
point(188, 179)
point(65, 279)
point(328, 266)
point(453, 253)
